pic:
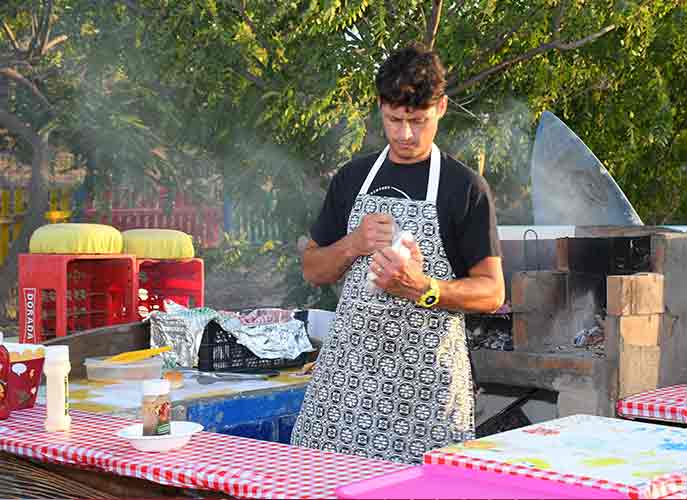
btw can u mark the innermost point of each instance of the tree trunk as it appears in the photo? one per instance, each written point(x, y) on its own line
point(38, 203)
point(4, 92)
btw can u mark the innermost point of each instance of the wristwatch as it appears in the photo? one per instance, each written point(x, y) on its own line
point(430, 298)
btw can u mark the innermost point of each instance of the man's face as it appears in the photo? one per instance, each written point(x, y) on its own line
point(411, 131)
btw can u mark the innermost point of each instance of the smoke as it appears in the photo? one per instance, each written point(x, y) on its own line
point(580, 314)
point(497, 141)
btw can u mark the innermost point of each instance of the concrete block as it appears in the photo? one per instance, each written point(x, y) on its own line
point(612, 338)
point(618, 231)
point(635, 294)
point(659, 246)
point(539, 331)
point(669, 257)
point(644, 330)
point(639, 369)
point(562, 254)
point(539, 291)
point(585, 292)
point(519, 331)
point(584, 255)
point(576, 395)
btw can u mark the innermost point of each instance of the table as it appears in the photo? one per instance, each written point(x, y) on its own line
point(259, 409)
point(241, 467)
point(667, 404)
point(639, 460)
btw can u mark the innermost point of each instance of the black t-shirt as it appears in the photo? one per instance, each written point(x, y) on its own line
point(467, 216)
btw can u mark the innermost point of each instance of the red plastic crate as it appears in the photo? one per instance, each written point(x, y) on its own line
point(181, 281)
point(61, 293)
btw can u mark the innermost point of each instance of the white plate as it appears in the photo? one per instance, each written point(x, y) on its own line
point(180, 434)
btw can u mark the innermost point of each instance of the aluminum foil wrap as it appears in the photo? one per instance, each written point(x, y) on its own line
point(285, 340)
point(268, 333)
point(182, 329)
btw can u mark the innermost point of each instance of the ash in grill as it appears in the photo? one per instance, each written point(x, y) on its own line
point(489, 331)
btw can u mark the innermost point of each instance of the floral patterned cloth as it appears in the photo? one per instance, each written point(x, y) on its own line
point(642, 460)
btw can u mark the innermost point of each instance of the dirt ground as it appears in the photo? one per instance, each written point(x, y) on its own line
point(259, 286)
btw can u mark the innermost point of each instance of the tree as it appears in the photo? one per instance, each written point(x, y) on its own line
point(297, 81)
point(633, 114)
point(25, 59)
point(60, 75)
point(296, 77)
point(277, 95)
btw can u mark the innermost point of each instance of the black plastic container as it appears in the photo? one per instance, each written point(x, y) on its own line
point(219, 351)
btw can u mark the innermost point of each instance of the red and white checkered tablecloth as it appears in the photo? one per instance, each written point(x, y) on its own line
point(667, 404)
point(658, 487)
point(680, 494)
point(238, 466)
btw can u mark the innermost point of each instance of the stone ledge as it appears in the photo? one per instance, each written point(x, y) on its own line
point(537, 370)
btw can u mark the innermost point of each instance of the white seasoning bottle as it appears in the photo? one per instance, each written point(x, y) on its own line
point(56, 369)
point(157, 407)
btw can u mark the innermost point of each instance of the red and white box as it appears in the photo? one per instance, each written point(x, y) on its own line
point(26, 367)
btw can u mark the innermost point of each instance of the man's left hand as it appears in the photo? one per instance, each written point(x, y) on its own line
point(398, 276)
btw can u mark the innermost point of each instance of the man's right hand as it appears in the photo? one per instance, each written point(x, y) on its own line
point(374, 233)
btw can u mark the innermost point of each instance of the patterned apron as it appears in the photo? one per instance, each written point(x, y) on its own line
point(392, 380)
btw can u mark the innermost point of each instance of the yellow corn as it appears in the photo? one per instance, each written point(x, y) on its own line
point(127, 357)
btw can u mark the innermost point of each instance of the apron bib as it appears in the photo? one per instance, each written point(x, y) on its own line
point(393, 380)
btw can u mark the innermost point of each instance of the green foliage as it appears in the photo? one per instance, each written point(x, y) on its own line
point(239, 254)
point(302, 294)
point(272, 97)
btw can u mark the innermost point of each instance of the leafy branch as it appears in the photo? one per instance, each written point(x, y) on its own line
point(19, 78)
point(553, 44)
point(433, 24)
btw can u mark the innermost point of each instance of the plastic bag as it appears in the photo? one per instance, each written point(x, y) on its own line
point(397, 238)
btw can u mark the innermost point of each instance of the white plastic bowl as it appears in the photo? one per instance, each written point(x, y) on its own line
point(180, 434)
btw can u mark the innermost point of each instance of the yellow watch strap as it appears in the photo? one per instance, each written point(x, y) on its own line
point(431, 297)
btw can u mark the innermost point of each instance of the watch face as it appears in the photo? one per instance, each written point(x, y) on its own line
point(430, 297)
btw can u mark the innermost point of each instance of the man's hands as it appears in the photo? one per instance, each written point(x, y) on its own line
point(326, 265)
point(398, 276)
point(373, 233)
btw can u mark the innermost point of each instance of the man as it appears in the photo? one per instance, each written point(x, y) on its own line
point(393, 379)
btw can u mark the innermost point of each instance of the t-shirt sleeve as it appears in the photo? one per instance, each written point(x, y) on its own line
point(332, 223)
point(480, 237)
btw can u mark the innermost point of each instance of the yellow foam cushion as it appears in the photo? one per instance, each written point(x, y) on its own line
point(76, 239)
point(158, 244)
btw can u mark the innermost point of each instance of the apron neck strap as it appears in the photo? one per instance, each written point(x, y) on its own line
point(432, 182)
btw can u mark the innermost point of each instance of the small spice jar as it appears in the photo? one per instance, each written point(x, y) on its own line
point(157, 407)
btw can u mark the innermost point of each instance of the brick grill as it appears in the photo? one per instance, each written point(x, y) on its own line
point(632, 280)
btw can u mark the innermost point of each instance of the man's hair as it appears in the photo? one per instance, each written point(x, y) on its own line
point(412, 77)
